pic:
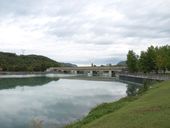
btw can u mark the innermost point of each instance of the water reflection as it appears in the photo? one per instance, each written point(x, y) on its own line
point(54, 103)
point(132, 89)
point(7, 83)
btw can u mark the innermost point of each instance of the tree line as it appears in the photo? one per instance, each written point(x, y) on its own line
point(13, 62)
point(154, 59)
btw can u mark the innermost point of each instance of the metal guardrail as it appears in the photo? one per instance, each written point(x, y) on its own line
point(148, 76)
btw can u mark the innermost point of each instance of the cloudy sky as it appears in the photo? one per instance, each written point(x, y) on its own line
point(83, 31)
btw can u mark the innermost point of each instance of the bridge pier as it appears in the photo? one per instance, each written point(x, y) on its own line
point(90, 73)
point(73, 72)
point(110, 73)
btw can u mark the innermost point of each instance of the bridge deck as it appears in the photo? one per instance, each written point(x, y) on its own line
point(88, 68)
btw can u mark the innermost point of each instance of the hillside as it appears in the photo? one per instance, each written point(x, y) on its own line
point(150, 110)
point(13, 62)
point(122, 63)
point(68, 65)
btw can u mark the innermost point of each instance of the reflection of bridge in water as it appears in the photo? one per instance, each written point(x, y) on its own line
point(103, 71)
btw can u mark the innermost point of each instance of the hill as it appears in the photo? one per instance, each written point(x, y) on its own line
point(13, 62)
point(149, 110)
point(68, 65)
point(122, 63)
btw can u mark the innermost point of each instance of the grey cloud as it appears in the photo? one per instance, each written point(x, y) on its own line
point(146, 20)
point(64, 28)
point(40, 7)
point(100, 61)
point(143, 19)
point(149, 18)
point(17, 7)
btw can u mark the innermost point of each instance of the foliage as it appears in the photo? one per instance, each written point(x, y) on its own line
point(143, 62)
point(163, 58)
point(132, 60)
point(155, 59)
point(13, 62)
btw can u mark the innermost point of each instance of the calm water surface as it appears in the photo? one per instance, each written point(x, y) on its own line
point(51, 102)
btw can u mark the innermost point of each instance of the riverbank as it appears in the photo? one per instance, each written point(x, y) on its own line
point(20, 73)
point(151, 109)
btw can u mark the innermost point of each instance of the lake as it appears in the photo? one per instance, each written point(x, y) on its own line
point(32, 101)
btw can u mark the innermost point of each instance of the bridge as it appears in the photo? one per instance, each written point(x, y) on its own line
point(109, 71)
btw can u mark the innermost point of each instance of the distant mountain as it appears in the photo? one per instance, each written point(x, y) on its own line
point(122, 63)
point(68, 65)
point(13, 62)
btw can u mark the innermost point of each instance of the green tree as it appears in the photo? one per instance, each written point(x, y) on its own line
point(132, 61)
point(168, 57)
point(151, 59)
point(142, 62)
point(163, 58)
point(147, 60)
point(154, 59)
point(13, 62)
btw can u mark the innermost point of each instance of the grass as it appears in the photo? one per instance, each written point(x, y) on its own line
point(150, 109)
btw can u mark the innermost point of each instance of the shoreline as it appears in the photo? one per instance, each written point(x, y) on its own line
point(20, 73)
point(98, 116)
point(93, 78)
point(101, 110)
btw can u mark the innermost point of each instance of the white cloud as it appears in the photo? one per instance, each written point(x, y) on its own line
point(82, 31)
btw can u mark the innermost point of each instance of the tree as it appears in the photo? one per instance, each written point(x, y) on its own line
point(132, 61)
point(142, 62)
point(154, 59)
point(163, 58)
point(13, 62)
point(151, 59)
point(168, 57)
point(147, 60)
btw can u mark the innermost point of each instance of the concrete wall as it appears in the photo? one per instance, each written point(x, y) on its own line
point(135, 79)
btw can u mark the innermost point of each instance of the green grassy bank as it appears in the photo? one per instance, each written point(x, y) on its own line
point(151, 109)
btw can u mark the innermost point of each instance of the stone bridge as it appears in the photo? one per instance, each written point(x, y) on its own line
point(90, 71)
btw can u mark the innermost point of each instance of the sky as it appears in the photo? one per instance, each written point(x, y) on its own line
point(83, 31)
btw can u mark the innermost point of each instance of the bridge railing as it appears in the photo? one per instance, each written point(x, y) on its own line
point(97, 68)
point(148, 76)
